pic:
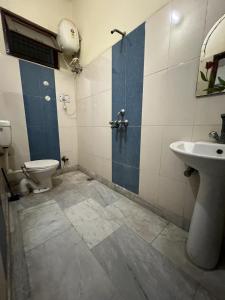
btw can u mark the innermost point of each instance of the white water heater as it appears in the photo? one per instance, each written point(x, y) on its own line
point(68, 37)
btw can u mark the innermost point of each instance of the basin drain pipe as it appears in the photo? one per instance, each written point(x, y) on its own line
point(189, 171)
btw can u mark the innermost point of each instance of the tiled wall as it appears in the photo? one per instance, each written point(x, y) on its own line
point(12, 108)
point(41, 115)
point(94, 111)
point(170, 110)
point(127, 88)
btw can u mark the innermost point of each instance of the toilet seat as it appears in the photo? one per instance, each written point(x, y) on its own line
point(41, 165)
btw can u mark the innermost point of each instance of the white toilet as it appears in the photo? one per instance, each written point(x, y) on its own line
point(38, 172)
point(41, 171)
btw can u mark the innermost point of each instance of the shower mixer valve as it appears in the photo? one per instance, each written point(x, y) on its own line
point(119, 122)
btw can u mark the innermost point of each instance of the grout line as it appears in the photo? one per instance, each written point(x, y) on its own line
point(93, 95)
point(50, 238)
point(160, 233)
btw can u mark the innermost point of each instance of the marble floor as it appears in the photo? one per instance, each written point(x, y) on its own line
point(84, 241)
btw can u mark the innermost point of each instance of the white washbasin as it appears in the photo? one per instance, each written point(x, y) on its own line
point(206, 157)
point(207, 224)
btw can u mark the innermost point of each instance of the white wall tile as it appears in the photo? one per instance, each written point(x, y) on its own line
point(171, 195)
point(84, 112)
point(12, 108)
point(68, 137)
point(155, 99)
point(171, 166)
point(151, 147)
point(187, 35)
point(10, 74)
point(103, 167)
point(215, 10)
point(201, 132)
point(101, 142)
point(83, 84)
point(169, 96)
point(95, 110)
point(209, 109)
point(102, 73)
point(157, 36)
point(69, 143)
point(85, 139)
point(67, 119)
point(65, 84)
point(19, 151)
point(149, 186)
point(102, 108)
point(85, 160)
point(96, 77)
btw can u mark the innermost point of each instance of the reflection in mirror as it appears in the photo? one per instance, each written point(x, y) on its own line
point(211, 76)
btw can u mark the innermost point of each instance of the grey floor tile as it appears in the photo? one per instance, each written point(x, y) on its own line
point(91, 221)
point(75, 177)
point(20, 289)
point(64, 269)
point(42, 222)
point(203, 294)
point(141, 220)
point(172, 243)
point(69, 198)
point(99, 192)
point(33, 199)
point(214, 281)
point(151, 267)
point(141, 272)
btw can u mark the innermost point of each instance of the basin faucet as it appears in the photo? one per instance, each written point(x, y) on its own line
point(213, 134)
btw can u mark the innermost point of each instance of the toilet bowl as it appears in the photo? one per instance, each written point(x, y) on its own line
point(40, 172)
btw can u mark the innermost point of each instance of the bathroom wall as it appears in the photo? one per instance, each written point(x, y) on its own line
point(12, 108)
point(94, 110)
point(170, 110)
point(96, 18)
point(127, 87)
point(11, 93)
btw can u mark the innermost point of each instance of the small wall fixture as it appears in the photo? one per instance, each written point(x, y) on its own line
point(119, 31)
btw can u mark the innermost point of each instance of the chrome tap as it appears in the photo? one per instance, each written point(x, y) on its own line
point(119, 122)
point(213, 134)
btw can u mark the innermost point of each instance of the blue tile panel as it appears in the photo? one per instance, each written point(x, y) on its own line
point(127, 92)
point(41, 115)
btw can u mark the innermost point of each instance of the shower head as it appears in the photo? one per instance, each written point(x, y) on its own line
point(118, 31)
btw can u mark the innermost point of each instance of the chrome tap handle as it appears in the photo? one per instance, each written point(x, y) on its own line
point(114, 124)
point(213, 134)
point(126, 123)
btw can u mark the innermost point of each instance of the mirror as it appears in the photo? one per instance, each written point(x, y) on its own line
point(211, 75)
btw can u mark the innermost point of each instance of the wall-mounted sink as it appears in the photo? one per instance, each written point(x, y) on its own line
point(207, 224)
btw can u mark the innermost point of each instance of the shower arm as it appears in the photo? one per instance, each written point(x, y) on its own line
point(118, 31)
